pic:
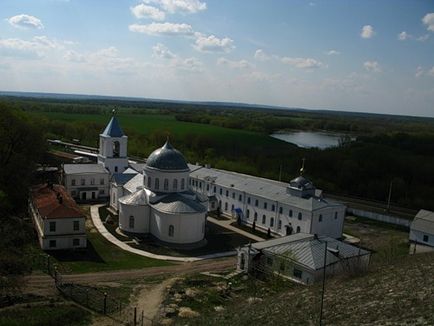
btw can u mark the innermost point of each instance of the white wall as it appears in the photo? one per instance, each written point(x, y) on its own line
point(188, 228)
point(140, 214)
point(105, 156)
point(417, 236)
point(63, 242)
point(329, 226)
point(154, 174)
point(76, 191)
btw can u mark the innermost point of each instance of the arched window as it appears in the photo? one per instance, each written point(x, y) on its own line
point(336, 215)
point(182, 184)
point(247, 213)
point(116, 149)
point(300, 216)
point(232, 208)
point(264, 219)
point(320, 218)
point(272, 208)
point(157, 183)
point(271, 222)
point(149, 182)
point(171, 230)
point(131, 222)
point(298, 229)
point(290, 213)
point(256, 217)
point(279, 224)
point(226, 206)
point(166, 184)
point(175, 184)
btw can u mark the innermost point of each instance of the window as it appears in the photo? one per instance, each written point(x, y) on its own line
point(425, 238)
point(157, 183)
point(256, 203)
point(232, 207)
point(226, 206)
point(214, 189)
point(166, 184)
point(101, 181)
point(116, 169)
point(265, 205)
point(82, 182)
point(131, 222)
point(76, 225)
point(200, 185)
point(75, 242)
point(227, 193)
point(240, 197)
point(264, 219)
point(149, 182)
point(182, 184)
point(273, 208)
point(175, 184)
point(92, 181)
point(233, 195)
point(320, 218)
point(101, 191)
point(52, 243)
point(280, 210)
point(72, 182)
point(116, 147)
point(297, 273)
point(336, 215)
point(298, 229)
point(171, 230)
point(207, 187)
point(279, 224)
point(248, 214)
point(221, 191)
point(52, 226)
point(269, 261)
point(256, 217)
point(300, 216)
point(290, 213)
point(271, 222)
point(248, 200)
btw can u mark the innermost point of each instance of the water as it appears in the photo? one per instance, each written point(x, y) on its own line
point(310, 139)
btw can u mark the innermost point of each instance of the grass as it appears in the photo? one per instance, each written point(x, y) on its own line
point(45, 315)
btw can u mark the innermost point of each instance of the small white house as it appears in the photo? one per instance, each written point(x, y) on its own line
point(58, 221)
point(301, 257)
point(422, 228)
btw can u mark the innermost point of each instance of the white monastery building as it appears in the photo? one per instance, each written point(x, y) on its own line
point(422, 228)
point(58, 221)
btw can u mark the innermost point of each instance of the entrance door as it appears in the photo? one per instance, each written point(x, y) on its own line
point(288, 230)
point(83, 196)
point(93, 194)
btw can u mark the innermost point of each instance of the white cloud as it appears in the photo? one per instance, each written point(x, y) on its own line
point(144, 11)
point(423, 38)
point(333, 52)
point(302, 63)
point(404, 36)
point(162, 29)
point(25, 21)
point(431, 72)
point(241, 64)
point(372, 66)
point(74, 56)
point(212, 43)
point(419, 72)
point(428, 20)
point(367, 31)
point(261, 55)
point(38, 46)
point(191, 64)
point(185, 6)
point(161, 51)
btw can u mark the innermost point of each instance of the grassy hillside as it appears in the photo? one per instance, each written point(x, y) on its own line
point(398, 293)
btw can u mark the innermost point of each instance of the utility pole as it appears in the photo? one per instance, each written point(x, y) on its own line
point(323, 283)
point(390, 196)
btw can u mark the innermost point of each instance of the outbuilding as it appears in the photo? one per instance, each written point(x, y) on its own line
point(422, 228)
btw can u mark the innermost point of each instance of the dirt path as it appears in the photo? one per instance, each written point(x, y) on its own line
point(150, 298)
point(43, 281)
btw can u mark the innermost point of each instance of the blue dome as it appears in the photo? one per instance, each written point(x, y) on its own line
point(167, 158)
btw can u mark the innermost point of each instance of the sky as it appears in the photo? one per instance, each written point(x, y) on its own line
point(366, 56)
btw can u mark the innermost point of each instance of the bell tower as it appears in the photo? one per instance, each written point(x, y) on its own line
point(113, 147)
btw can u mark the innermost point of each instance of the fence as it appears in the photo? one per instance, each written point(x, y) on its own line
point(91, 297)
point(380, 217)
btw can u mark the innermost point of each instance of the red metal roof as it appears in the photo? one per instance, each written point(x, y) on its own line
point(54, 202)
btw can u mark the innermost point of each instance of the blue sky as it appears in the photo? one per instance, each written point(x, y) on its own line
point(370, 56)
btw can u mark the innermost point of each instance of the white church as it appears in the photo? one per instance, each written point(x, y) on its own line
point(168, 199)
